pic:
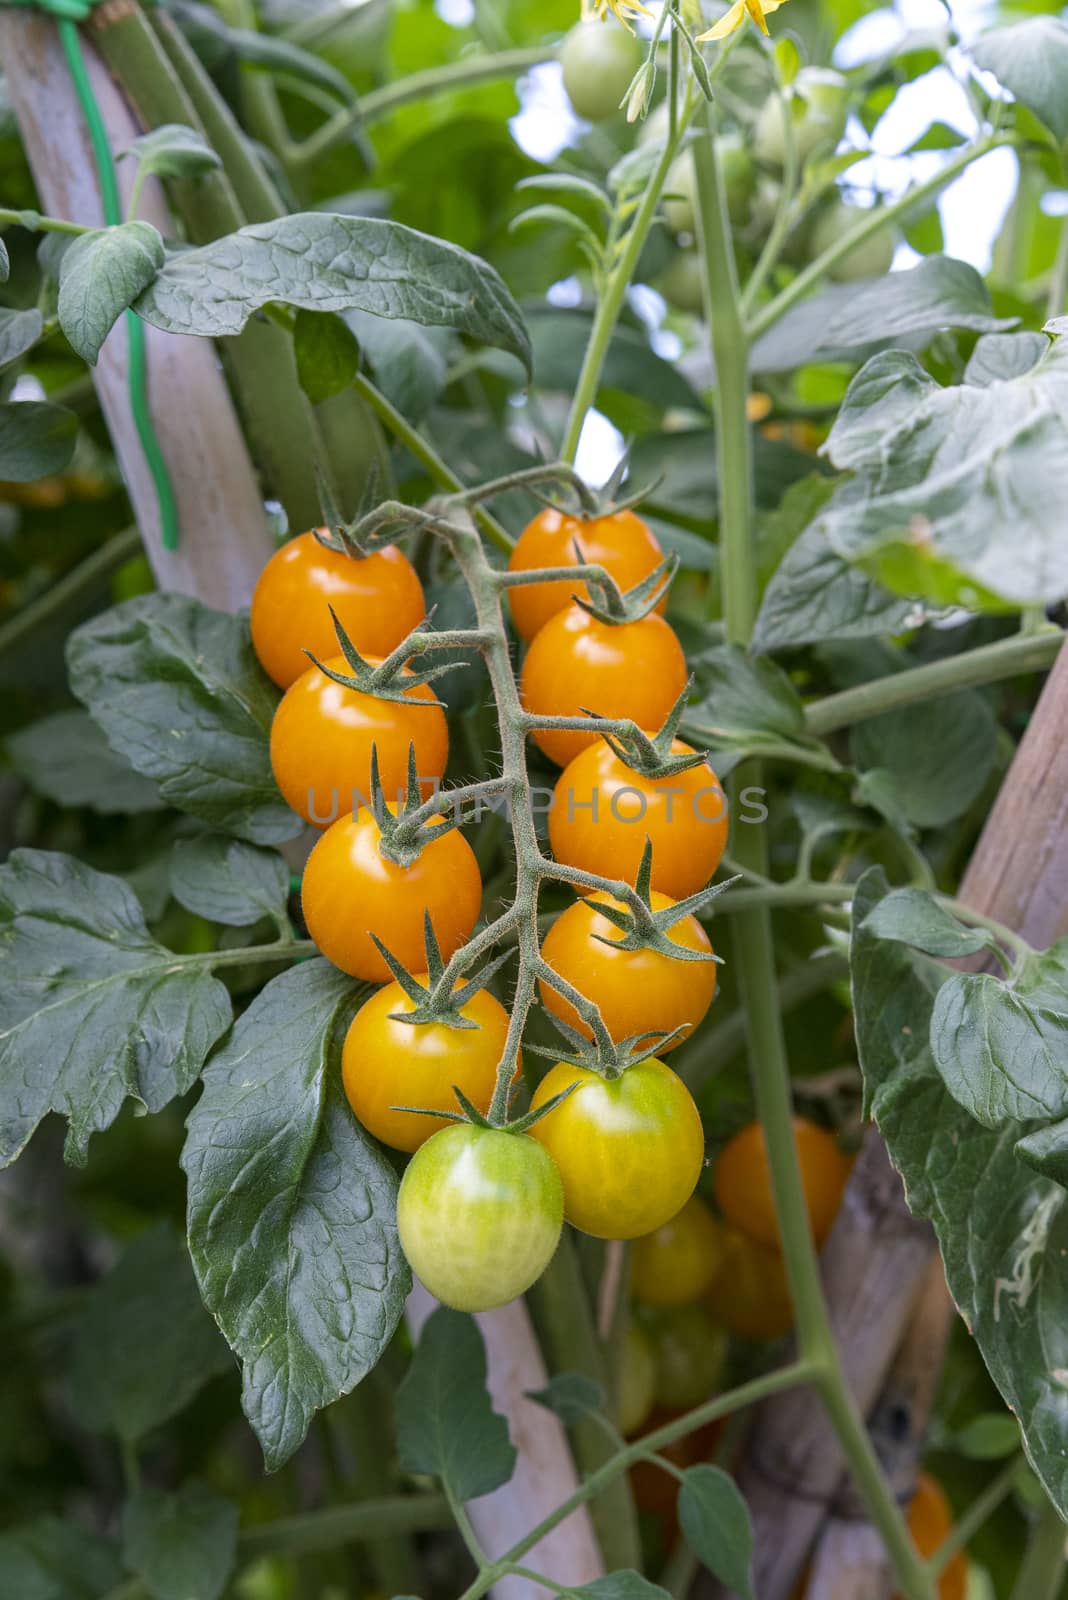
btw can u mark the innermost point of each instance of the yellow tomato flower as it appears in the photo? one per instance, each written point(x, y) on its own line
point(757, 9)
point(625, 10)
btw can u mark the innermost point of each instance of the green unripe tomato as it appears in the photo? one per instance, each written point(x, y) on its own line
point(479, 1214)
point(599, 60)
point(736, 170)
point(690, 1353)
point(869, 260)
point(817, 103)
point(682, 281)
point(637, 1381)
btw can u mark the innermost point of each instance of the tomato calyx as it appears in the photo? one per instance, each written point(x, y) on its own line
point(373, 526)
point(393, 678)
point(609, 604)
point(438, 999)
point(652, 754)
point(642, 928)
point(601, 1054)
point(470, 1113)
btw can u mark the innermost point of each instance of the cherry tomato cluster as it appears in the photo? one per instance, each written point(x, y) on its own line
point(616, 1147)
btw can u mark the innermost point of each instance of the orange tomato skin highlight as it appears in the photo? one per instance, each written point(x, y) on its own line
point(386, 1063)
point(577, 664)
point(378, 599)
point(350, 888)
point(621, 542)
point(636, 991)
point(322, 736)
point(602, 813)
point(742, 1181)
point(930, 1519)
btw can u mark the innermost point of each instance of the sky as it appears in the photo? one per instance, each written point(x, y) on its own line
point(972, 208)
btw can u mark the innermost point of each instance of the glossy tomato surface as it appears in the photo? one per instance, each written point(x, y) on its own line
point(599, 59)
point(386, 1064)
point(323, 733)
point(622, 543)
point(636, 991)
point(350, 891)
point(378, 600)
point(577, 664)
point(629, 1150)
point(602, 813)
point(479, 1214)
point(678, 1264)
point(742, 1180)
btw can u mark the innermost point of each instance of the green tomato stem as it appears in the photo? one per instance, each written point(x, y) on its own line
point(753, 942)
point(1022, 652)
point(967, 1525)
point(382, 103)
point(1042, 1569)
point(34, 222)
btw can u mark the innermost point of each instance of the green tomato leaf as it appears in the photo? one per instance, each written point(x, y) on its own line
point(745, 706)
point(912, 916)
point(56, 1559)
point(1030, 59)
point(19, 332)
point(183, 1546)
point(570, 1396)
point(327, 354)
point(959, 476)
point(145, 1345)
point(410, 362)
point(1002, 1047)
point(998, 357)
point(173, 150)
point(66, 758)
point(623, 1585)
point(1003, 1230)
point(323, 262)
point(292, 1210)
point(5, 263)
point(925, 772)
point(92, 1009)
point(101, 275)
point(991, 1436)
point(834, 324)
point(631, 366)
point(446, 1424)
point(179, 693)
point(715, 1520)
point(36, 439)
point(229, 881)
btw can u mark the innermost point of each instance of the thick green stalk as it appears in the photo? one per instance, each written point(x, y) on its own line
point(416, 86)
point(1022, 652)
point(564, 1323)
point(1042, 1569)
point(753, 943)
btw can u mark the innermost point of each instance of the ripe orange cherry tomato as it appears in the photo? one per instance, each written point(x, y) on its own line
point(742, 1181)
point(636, 991)
point(602, 813)
point(929, 1520)
point(750, 1296)
point(378, 600)
point(678, 1264)
point(323, 733)
point(350, 891)
point(629, 1149)
point(576, 663)
point(386, 1063)
point(621, 543)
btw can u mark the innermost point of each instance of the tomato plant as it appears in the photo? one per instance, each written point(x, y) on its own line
point(644, 522)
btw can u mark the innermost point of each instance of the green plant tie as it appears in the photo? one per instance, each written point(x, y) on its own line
point(68, 14)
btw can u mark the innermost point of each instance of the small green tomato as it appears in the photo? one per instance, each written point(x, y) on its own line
point(637, 1381)
point(479, 1214)
point(871, 259)
point(682, 281)
point(680, 187)
point(817, 103)
point(599, 60)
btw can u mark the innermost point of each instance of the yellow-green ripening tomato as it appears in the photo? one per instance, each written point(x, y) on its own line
point(690, 1352)
point(817, 103)
point(871, 259)
point(599, 60)
point(479, 1214)
point(629, 1149)
point(678, 1264)
point(637, 1381)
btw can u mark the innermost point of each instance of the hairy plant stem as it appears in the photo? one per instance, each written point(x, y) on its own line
point(1021, 652)
point(382, 103)
point(753, 942)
